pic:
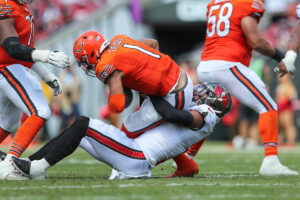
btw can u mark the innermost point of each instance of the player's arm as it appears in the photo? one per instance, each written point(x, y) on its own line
point(249, 25)
point(10, 42)
point(48, 77)
point(288, 63)
point(294, 42)
point(191, 119)
point(116, 101)
point(151, 43)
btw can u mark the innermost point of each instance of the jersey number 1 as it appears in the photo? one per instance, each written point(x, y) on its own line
point(30, 19)
point(222, 20)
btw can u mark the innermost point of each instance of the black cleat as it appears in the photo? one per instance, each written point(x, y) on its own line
point(22, 165)
point(2, 155)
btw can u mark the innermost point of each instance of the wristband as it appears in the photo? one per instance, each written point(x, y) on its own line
point(278, 55)
point(116, 103)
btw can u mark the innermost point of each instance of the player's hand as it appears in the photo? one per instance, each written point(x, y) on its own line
point(281, 69)
point(54, 83)
point(57, 58)
point(287, 65)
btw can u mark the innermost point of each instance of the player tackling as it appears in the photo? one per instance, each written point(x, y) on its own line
point(134, 64)
point(20, 90)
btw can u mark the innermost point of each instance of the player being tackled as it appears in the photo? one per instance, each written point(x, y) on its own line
point(132, 158)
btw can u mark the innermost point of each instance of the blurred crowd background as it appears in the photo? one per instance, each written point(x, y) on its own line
point(179, 26)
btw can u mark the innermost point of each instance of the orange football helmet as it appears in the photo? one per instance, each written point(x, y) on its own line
point(87, 50)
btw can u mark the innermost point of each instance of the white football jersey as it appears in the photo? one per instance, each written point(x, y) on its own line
point(169, 140)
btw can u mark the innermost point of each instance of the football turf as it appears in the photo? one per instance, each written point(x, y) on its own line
point(224, 174)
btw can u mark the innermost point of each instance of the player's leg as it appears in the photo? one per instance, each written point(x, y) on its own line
point(185, 164)
point(10, 117)
point(248, 88)
point(104, 142)
point(54, 151)
point(111, 146)
point(25, 92)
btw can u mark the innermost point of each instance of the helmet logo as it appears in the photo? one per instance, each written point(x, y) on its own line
point(222, 96)
point(79, 46)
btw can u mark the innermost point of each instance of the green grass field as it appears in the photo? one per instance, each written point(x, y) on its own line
point(224, 174)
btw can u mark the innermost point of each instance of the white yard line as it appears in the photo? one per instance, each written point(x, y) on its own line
point(145, 185)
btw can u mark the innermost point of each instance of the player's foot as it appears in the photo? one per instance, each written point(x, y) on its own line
point(10, 169)
point(2, 155)
point(271, 166)
point(187, 169)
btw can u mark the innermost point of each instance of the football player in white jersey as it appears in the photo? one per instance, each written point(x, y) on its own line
point(287, 65)
point(132, 158)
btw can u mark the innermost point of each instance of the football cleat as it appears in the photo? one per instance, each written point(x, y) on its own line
point(271, 166)
point(10, 170)
point(2, 155)
point(188, 169)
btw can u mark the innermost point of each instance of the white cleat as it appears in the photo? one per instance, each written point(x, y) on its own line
point(10, 171)
point(271, 166)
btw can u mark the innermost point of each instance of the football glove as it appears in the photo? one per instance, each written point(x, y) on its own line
point(289, 61)
point(54, 83)
point(57, 58)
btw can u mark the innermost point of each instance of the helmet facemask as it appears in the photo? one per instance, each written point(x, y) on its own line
point(88, 68)
point(214, 95)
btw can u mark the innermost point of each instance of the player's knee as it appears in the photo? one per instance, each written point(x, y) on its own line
point(80, 125)
point(11, 127)
point(44, 112)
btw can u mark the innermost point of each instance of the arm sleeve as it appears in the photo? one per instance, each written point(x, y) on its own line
point(16, 50)
point(171, 114)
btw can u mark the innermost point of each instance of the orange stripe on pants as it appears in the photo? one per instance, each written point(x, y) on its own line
point(253, 89)
point(20, 91)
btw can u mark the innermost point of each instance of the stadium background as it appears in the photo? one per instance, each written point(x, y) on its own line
point(179, 26)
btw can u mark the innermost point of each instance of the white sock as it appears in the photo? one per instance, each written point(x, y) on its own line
point(9, 156)
point(39, 167)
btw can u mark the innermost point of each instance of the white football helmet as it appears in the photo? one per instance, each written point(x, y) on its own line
point(213, 94)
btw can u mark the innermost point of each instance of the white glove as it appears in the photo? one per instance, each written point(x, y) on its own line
point(289, 61)
point(57, 58)
point(54, 83)
point(209, 115)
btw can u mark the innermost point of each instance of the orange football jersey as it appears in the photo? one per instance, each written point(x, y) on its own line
point(145, 69)
point(224, 38)
point(23, 25)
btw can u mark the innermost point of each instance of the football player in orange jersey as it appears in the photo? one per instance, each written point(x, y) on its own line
point(288, 63)
point(138, 65)
point(232, 34)
point(20, 90)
